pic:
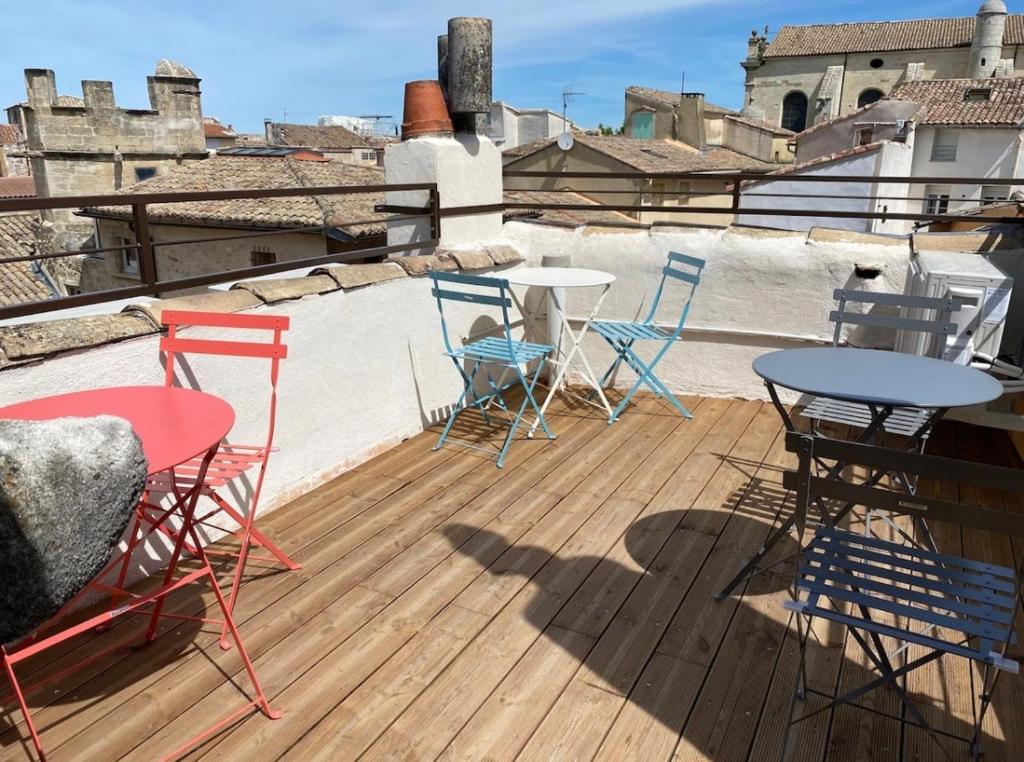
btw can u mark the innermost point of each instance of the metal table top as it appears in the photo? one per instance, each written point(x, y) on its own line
point(558, 277)
point(872, 376)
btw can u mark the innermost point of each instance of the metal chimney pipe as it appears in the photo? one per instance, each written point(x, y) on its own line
point(470, 64)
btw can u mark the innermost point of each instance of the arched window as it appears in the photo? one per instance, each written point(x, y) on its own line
point(869, 96)
point(794, 112)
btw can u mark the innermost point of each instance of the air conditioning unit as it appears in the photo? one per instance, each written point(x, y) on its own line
point(983, 289)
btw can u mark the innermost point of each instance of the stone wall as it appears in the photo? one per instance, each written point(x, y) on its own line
point(181, 261)
point(778, 77)
point(98, 147)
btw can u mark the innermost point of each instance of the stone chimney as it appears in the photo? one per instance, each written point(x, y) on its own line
point(467, 166)
point(987, 45)
point(690, 125)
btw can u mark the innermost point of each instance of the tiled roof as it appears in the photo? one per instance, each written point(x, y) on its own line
point(774, 129)
point(63, 101)
point(18, 283)
point(656, 156)
point(214, 129)
point(827, 159)
point(561, 216)
point(9, 134)
point(17, 187)
point(883, 36)
point(316, 136)
point(672, 99)
point(945, 101)
point(249, 173)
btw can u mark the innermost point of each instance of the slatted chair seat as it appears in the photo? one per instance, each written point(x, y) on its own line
point(924, 314)
point(888, 595)
point(615, 330)
point(478, 357)
point(904, 421)
point(495, 349)
point(622, 335)
point(922, 589)
point(230, 462)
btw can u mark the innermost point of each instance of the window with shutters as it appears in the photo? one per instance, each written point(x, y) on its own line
point(944, 145)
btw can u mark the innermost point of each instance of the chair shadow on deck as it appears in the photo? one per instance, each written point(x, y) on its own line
point(753, 621)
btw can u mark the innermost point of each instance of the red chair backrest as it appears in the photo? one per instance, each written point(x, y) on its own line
point(173, 345)
point(275, 351)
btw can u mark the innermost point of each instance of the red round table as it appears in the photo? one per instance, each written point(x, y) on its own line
point(175, 425)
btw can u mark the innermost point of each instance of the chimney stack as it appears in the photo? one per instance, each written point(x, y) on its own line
point(469, 64)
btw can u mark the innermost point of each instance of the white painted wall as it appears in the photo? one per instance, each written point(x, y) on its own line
point(364, 371)
point(889, 159)
point(467, 170)
point(761, 291)
point(991, 153)
point(365, 368)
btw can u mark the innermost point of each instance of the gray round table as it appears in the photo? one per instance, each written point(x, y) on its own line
point(880, 381)
point(876, 377)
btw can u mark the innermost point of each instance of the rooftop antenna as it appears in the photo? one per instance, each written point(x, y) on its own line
point(567, 95)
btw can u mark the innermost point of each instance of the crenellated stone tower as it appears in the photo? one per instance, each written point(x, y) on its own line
point(97, 147)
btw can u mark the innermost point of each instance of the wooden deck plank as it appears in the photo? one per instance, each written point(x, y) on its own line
point(324, 553)
point(394, 627)
point(555, 609)
point(634, 591)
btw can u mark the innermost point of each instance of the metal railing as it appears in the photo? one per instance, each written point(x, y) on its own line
point(735, 184)
point(145, 247)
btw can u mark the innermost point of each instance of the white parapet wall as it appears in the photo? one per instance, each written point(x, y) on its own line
point(364, 371)
point(761, 290)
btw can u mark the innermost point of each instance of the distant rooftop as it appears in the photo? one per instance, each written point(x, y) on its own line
point(299, 154)
point(670, 98)
point(884, 36)
point(17, 187)
point(9, 134)
point(323, 137)
point(213, 128)
point(655, 156)
point(977, 102)
point(19, 283)
point(223, 172)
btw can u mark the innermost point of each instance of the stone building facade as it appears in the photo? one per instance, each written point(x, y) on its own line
point(812, 74)
point(97, 147)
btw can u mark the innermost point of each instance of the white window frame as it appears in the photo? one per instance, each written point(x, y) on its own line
point(945, 144)
point(129, 259)
point(936, 199)
point(993, 193)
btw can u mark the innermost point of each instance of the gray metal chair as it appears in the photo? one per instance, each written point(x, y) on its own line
point(934, 318)
point(879, 589)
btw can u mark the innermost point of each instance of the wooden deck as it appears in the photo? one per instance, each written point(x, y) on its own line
point(558, 609)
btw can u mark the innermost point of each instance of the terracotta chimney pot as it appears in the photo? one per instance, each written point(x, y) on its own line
point(425, 110)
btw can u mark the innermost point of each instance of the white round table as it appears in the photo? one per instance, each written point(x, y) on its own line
point(556, 281)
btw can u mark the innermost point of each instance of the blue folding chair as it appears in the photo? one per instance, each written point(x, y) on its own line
point(482, 355)
point(623, 335)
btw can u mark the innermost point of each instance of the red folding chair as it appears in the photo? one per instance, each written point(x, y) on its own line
point(231, 462)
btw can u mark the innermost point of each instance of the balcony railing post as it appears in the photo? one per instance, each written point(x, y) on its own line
point(147, 262)
point(735, 197)
point(435, 214)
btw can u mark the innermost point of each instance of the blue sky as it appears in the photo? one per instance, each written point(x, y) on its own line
point(315, 57)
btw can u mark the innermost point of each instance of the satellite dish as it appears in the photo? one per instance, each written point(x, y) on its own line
point(565, 141)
